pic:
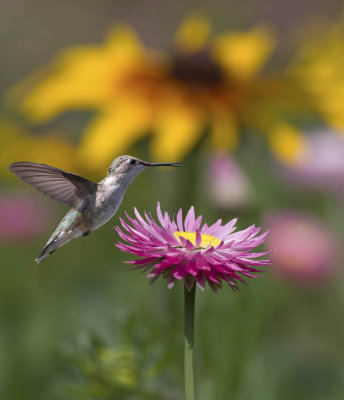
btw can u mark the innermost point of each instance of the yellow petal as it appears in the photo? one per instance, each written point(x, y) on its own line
point(80, 78)
point(336, 119)
point(123, 39)
point(193, 33)
point(18, 144)
point(322, 76)
point(177, 129)
point(114, 131)
point(225, 132)
point(331, 104)
point(243, 54)
point(287, 143)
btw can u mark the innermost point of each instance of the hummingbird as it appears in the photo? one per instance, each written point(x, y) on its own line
point(92, 204)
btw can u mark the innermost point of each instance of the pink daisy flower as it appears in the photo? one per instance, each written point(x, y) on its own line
point(308, 250)
point(22, 217)
point(178, 250)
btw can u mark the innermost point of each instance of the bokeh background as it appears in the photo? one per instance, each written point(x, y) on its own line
point(82, 325)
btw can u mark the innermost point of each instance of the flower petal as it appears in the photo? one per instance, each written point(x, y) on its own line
point(198, 240)
point(201, 280)
point(115, 129)
point(180, 220)
point(193, 34)
point(188, 245)
point(80, 77)
point(190, 220)
point(242, 54)
point(179, 272)
point(287, 143)
point(178, 127)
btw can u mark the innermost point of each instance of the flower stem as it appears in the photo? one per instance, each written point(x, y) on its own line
point(189, 317)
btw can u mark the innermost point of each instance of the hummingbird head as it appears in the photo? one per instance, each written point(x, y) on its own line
point(128, 167)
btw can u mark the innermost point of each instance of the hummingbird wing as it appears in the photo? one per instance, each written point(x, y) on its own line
point(66, 187)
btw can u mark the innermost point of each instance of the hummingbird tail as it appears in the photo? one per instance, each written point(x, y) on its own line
point(55, 242)
point(50, 248)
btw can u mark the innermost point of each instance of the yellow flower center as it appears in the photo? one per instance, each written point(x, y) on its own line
point(207, 240)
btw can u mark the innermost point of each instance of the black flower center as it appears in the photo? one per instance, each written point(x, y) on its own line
point(197, 68)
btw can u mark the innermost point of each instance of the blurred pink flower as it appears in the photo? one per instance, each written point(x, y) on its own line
point(306, 249)
point(184, 250)
point(228, 185)
point(22, 217)
point(322, 164)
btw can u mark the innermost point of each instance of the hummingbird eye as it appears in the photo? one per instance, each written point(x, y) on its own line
point(132, 161)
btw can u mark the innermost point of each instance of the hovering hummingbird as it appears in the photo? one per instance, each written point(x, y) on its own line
point(92, 204)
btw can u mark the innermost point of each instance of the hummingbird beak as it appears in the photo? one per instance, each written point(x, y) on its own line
point(149, 164)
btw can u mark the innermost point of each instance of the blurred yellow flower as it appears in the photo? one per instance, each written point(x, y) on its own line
point(207, 83)
point(288, 143)
point(319, 68)
point(18, 145)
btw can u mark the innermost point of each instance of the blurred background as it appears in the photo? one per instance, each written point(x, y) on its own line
point(250, 96)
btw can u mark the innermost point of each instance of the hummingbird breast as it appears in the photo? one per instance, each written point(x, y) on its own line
point(108, 198)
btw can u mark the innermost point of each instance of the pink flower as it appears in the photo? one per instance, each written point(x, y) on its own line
point(322, 165)
point(186, 251)
point(306, 248)
point(228, 185)
point(22, 217)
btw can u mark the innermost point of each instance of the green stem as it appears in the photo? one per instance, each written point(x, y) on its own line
point(189, 317)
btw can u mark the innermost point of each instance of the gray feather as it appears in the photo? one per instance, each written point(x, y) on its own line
point(66, 187)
